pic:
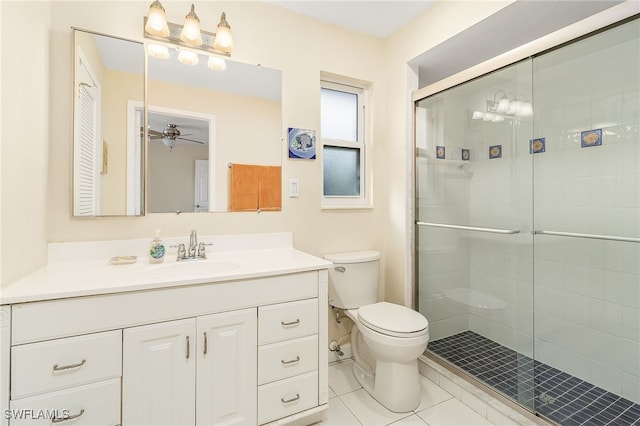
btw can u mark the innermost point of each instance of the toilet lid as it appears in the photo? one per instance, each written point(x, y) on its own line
point(392, 319)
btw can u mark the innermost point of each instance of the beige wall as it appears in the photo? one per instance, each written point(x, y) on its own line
point(119, 88)
point(24, 137)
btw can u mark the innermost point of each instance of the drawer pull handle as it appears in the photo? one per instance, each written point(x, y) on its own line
point(56, 367)
point(71, 417)
point(204, 352)
point(288, 324)
point(286, 401)
point(187, 347)
point(293, 361)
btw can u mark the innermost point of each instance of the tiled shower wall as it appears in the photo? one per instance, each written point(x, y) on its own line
point(587, 293)
point(581, 315)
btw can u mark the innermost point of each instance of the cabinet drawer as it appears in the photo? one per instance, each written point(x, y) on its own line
point(95, 404)
point(285, 359)
point(61, 363)
point(287, 321)
point(286, 397)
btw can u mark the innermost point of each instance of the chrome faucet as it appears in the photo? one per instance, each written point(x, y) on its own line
point(193, 244)
point(195, 251)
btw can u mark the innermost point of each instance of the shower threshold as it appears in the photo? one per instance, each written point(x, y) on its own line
point(554, 394)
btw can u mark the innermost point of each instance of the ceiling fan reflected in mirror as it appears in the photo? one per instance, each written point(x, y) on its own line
point(169, 135)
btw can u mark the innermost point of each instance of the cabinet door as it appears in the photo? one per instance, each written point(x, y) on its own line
point(227, 372)
point(158, 378)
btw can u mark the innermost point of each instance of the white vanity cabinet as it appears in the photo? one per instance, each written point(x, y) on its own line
point(159, 368)
point(74, 379)
point(240, 351)
point(287, 358)
point(209, 359)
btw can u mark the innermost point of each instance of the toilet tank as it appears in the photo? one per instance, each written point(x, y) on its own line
point(353, 279)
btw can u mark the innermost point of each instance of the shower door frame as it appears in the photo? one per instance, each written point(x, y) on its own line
point(617, 15)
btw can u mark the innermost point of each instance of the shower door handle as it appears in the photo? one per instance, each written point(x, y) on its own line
point(588, 236)
point(470, 228)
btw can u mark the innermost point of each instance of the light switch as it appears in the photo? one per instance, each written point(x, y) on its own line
point(294, 189)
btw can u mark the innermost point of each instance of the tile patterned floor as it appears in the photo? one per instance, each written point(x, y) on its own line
point(559, 396)
point(349, 404)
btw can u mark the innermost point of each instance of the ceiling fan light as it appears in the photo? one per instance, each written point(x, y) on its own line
point(223, 40)
point(188, 58)
point(191, 30)
point(217, 64)
point(170, 143)
point(157, 21)
point(158, 51)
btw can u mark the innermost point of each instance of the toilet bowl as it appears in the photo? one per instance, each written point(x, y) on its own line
point(394, 378)
point(386, 338)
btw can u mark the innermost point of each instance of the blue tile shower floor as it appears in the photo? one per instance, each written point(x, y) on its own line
point(556, 395)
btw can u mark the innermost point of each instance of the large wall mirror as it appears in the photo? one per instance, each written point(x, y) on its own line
point(199, 120)
point(107, 164)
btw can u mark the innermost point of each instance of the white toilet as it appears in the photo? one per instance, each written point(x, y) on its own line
point(386, 339)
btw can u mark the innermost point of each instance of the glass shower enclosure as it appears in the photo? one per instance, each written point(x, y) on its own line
point(528, 228)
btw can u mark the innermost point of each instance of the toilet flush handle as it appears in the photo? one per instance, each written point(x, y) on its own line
point(340, 268)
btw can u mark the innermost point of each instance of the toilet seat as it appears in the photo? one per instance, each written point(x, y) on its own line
point(393, 320)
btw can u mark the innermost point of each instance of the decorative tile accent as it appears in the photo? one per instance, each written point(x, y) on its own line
point(466, 154)
point(495, 151)
point(554, 394)
point(440, 152)
point(591, 138)
point(537, 146)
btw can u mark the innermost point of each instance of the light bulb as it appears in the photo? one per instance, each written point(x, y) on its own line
point(223, 40)
point(158, 51)
point(157, 21)
point(216, 63)
point(188, 58)
point(191, 30)
point(503, 105)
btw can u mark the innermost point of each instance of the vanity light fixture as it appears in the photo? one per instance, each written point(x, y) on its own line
point(504, 106)
point(189, 35)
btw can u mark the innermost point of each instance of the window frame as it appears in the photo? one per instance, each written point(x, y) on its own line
point(363, 143)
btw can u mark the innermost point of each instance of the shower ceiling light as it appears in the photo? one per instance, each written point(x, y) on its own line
point(189, 35)
point(504, 105)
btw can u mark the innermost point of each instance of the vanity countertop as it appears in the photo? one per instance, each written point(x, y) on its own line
point(70, 275)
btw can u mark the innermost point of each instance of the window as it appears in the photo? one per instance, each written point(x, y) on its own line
point(345, 156)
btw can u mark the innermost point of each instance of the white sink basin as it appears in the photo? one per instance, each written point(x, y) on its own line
point(193, 267)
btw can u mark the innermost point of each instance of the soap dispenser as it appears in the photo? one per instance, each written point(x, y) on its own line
point(157, 249)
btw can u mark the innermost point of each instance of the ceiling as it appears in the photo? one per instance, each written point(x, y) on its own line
point(516, 24)
point(378, 18)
